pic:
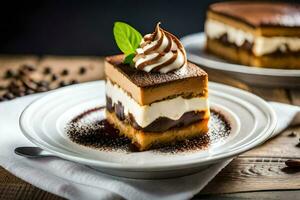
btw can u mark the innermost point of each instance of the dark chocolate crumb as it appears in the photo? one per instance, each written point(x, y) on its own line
point(47, 70)
point(82, 70)
point(64, 72)
point(292, 134)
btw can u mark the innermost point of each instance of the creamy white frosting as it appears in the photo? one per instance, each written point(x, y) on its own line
point(160, 51)
point(146, 114)
point(261, 45)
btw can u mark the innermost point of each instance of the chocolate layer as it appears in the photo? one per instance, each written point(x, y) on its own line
point(260, 14)
point(159, 125)
point(241, 56)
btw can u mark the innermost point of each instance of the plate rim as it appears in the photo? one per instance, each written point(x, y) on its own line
point(268, 111)
point(231, 67)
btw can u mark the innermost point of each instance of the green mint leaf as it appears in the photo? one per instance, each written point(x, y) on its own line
point(129, 59)
point(127, 38)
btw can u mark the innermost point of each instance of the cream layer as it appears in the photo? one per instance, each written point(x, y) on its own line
point(261, 45)
point(145, 114)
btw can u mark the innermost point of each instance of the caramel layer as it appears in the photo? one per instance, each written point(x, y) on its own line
point(147, 88)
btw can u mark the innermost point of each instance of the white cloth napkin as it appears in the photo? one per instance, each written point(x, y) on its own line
point(75, 181)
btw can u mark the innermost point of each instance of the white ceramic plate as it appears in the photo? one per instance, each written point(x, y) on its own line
point(43, 122)
point(195, 46)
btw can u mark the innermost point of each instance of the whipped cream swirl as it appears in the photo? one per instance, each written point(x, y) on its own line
point(160, 52)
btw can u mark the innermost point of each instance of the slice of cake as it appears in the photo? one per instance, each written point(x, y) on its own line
point(160, 98)
point(262, 34)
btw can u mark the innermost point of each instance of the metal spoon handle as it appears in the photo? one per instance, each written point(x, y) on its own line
point(32, 152)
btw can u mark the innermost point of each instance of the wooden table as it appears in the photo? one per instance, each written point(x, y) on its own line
point(260, 173)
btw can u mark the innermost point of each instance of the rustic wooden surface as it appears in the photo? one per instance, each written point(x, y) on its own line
point(257, 174)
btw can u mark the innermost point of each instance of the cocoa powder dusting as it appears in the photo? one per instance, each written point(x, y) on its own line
point(98, 133)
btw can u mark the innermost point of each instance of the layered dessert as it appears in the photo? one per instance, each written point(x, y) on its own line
point(261, 34)
point(159, 97)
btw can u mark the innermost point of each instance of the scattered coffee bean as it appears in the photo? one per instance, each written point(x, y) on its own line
point(47, 70)
point(28, 67)
point(292, 163)
point(42, 89)
point(29, 91)
point(43, 84)
point(62, 84)
point(292, 134)
point(30, 83)
point(54, 77)
point(21, 94)
point(64, 72)
point(9, 74)
point(8, 95)
point(15, 91)
point(73, 82)
point(82, 70)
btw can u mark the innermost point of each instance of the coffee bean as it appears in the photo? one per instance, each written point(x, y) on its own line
point(62, 83)
point(292, 163)
point(47, 70)
point(28, 67)
point(21, 94)
point(82, 70)
point(64, 72)
point(54, 77)
point(29, 91)
point(43, 84)
point(73, 82)
point(8, 95)
point(9, 74)
point(15, 91)
point(29, 83)
point(42, 89)
point(292, 134)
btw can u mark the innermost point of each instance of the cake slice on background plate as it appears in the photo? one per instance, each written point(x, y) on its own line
point(261, 34)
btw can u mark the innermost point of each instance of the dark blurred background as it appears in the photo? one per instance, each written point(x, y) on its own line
point(85, 27)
